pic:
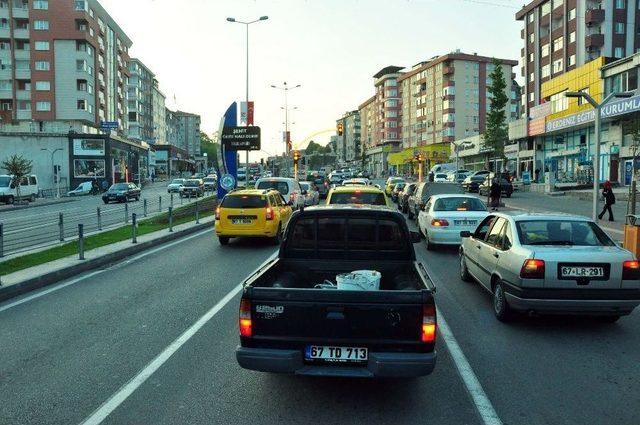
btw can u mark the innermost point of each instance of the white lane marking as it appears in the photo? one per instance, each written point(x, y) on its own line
point(610, 229)
point(483, 404)
point(74, 281)
point(126, 390)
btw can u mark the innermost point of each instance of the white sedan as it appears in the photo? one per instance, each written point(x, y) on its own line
point(440, 178)
point(443, 217)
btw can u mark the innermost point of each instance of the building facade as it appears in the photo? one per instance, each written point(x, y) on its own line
point(188, 132)
point(62, 60)
point(348, 144)
point(159, 114)
point(140, 101)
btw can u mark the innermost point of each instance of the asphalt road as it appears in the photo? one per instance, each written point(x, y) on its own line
point(78, 350)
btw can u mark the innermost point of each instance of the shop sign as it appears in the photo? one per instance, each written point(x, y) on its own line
point(540, 111)
point(571, 121)
point(536, 126)
point(612, 109)
point(88, 147)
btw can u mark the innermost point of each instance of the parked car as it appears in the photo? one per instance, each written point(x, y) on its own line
point(505, 185)
point(192, 188)
point(9, 190)
point(361, 195)
point(445, 216)
point(310, 193)
point(83, 188)
point(175, 185)
point(210, 183)
point(403, 197)
point(390, 184)
point(396, 191)
point(440, 178)
point(550, 264)
point(252, 213)
point(292, 321)
point(288, 187)
point(121, 192)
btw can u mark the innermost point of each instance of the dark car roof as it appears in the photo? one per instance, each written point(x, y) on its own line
point(351, 209)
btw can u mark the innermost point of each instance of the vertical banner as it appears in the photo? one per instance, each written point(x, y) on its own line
point(243, 113)
point(227, 165)
point(250, 113)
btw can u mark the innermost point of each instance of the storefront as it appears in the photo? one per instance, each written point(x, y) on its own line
point(172, 161)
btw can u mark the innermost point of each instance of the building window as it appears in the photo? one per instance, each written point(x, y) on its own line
point(618, 27)
point(557, 66)
point(531, 38)
point(620, 4)
point(557, 44)
point(572, 37)
point(546, 8)
point(531, 57)
point(81, 5)
point(42, 45)
point(618, 52)
point(530, 16)
point(42, 66)
point(582, 100)
point(572, 14)
point(559, 102)
point(544, 50)
point(41, 4)
point(546, 70)
point(572, 60)
point(41, 25)
point(82, 105)
point(531, 97)
point(43, 85)
point(43, 106)
point(81, 85)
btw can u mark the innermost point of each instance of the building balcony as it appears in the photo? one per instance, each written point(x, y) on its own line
point(5, 33)
point(6, 94)
point(19, 12)
point(21, 33)
point(23, 74)
point(23, 114)
point(23, 54)
point(594, 16)
point(448, 70)
point(23, 95)
point(594, 41)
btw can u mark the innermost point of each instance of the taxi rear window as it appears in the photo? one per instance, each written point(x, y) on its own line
point(244, 201)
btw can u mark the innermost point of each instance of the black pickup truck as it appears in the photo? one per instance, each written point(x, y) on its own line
point(293, 321)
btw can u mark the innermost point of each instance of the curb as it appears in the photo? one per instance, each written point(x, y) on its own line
point(58, 275)
point(23, 207)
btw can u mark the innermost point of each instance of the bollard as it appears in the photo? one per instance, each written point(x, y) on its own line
point(159, 203)
point(197, 213)
point(171, 200)
point(144, 206)
point(99, 218)
point(81, 241)
point(1, 240)
point(181, 197)
point(632, 199)
point(134, 228)
point(171, 219)
point(126, 213)
point(61, 226)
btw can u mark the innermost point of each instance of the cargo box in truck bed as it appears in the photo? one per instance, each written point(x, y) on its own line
point(292, 321)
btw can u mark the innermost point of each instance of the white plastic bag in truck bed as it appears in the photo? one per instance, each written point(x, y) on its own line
point(359, 280)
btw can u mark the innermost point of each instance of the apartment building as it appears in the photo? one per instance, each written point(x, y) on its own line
point(188, 132)
point(62, 60)
point(388, 105)
point(159, 114)
point(348, 144)
point(368, 123)
point(560, 35)
point(446, 98)
point(140, 101)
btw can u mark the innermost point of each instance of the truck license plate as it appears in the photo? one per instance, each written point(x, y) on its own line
point(336, 354)
point(582, 271)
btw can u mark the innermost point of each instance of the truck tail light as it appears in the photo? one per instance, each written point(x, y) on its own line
point(245, 318)
point(439, 222)
point(532, 269)
point(218, 213)
point(631, 270)
point(269, 214)
point(428, 334)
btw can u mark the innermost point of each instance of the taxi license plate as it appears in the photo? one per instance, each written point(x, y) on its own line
point(582, 271)
point(465, 222)
point(336, 354)
point(241, 221)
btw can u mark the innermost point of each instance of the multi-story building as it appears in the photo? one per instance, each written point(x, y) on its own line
point(368, 124)
point(348, 144)
point(159, 114)
point(62, 60)
point(188, 134)
point(140, 101)
point(388, 105)
point(560, 35)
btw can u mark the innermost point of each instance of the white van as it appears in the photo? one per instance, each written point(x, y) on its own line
point(9, 190)
point(83, 188)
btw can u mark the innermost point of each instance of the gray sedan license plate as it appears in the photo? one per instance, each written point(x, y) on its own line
point(336, 354)
point(572, 271)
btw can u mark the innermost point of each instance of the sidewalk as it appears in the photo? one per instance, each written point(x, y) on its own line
point(45, 274)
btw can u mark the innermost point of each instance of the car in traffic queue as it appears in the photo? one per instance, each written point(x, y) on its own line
point(440, 178)
point(210, 183)
point(357, 194)
point(192, 188)
point(175, 185)
point(356, 182)
point(289, 188)
point(473, 181)
point(403, 197)
point(252, 213)
point(506, 187)
point(323, 187)
point(310, 193)
point(335, 178)
point(542, 263)
point(443, 217)
point(121, 192)
point(390, 184)
point(396, 191)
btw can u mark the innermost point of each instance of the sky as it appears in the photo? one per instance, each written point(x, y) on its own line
point(332, 48)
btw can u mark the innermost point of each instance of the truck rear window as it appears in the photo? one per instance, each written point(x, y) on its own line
point(366, 198)
point(244, 201)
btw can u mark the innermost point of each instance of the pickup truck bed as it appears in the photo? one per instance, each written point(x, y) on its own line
point(285, 317)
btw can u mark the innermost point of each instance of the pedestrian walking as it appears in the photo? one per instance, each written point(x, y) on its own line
point(609, 199)
point(495, 191)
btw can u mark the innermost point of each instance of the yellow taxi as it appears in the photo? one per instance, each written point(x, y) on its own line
point(367, 195)
point(252, 213)
point(391, 183)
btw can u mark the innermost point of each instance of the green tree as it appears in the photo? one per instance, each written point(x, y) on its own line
point(496, 133)
point(211, 147)
point(19, 167)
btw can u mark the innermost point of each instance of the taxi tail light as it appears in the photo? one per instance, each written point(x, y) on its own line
point(532, 269)
point(218, 213)
point(245, 318)
point(439, 222)
point(428, 333)
point(269, 213)
point(631, 270)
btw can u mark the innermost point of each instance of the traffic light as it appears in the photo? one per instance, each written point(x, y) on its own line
point(296, 156)
point(340, 129)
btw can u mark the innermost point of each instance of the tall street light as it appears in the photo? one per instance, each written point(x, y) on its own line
point(55, 180)
point(596, 154)
point(246, 24)
point(285, 88)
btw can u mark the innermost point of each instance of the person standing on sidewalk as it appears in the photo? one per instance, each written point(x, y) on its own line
point(609, 199)
point(495, 191)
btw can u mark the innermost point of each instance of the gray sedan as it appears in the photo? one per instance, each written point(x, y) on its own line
point(550, 264)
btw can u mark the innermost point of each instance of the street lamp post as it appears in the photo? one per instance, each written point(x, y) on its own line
point(55, 180)
point(596, 154)
point(246, 24)
point(285, 88)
